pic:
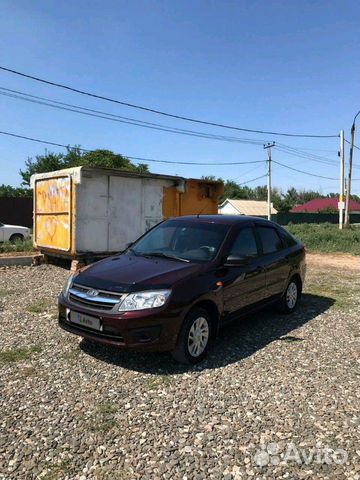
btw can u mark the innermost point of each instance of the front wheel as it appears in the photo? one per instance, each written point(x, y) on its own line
point(194, 337)
point(291, 297)
point(16, 237)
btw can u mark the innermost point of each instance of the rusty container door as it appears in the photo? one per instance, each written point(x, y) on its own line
point(52, 212)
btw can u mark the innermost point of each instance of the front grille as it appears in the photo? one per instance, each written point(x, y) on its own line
point(102, 300)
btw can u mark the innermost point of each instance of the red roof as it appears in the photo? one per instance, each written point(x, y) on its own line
point(319, 204)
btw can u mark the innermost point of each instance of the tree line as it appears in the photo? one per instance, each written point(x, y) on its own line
point(75, 157)
point(283, 201)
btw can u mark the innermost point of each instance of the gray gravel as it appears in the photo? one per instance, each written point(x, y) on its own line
point(70, 410)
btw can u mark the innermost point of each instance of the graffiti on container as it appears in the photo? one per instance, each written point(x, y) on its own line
point(53, 195)
point(53, 213)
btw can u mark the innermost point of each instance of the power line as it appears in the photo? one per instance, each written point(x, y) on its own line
point(159, 112)
point(128, 120)
point(296, 152)
point(252, 180)
point(247, 172)
point(305, 173)
point(303, 151)
point(355, 146)
point(117, 118)
point(128, 156)
point(305, 156)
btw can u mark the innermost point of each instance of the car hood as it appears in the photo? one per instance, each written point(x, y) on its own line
point(127, 273)
point(15, 226)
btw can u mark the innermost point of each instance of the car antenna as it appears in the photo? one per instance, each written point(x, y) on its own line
point(198, 215)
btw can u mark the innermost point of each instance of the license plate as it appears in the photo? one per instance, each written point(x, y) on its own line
point(85, 320)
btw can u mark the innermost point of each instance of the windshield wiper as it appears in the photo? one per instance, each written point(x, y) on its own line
point(134, 252)
point(165, 255)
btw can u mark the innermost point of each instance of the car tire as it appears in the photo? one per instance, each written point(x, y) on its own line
point(291, 296)
point(16, 237)
point(194, 337)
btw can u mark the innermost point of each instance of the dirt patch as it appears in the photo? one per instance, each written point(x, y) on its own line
point(337, 260)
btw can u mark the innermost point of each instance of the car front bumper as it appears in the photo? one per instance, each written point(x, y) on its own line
point(144, 330)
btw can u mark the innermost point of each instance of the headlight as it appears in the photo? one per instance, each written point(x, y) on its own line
point(68, 284)
point(144, 300)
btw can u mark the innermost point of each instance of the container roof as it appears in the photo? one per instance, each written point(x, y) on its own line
point(77, 171)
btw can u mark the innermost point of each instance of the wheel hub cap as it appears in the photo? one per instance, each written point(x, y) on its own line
point(291, 295)
point(198, 337)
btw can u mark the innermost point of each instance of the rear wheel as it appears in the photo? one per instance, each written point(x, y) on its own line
point(194, 337)
point(291, 296)
point(16, 237)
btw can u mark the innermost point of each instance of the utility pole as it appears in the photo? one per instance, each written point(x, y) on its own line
point(268, 148)
point(348, 190)
point(342, 175)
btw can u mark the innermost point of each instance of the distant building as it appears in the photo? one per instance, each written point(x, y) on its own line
point(320, 204)
point(256, 208)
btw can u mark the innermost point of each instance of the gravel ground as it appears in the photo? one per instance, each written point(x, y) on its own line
point(273, 395)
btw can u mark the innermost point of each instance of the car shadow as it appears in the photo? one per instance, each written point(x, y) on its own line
point(236, 341)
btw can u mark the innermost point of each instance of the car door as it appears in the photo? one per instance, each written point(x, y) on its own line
point(243, 285)
point(274, 259)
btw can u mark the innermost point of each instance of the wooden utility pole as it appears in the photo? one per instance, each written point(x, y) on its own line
point(348, 190)
point(268, 148)
point(342, 176)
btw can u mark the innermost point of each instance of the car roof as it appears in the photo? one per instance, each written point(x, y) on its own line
point(224, 219)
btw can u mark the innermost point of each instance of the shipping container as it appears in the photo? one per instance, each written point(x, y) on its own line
point(87, 211)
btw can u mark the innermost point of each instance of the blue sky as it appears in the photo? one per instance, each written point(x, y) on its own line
point(273, 65)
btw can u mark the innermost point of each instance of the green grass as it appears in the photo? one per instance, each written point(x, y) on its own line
point(18, 246)
point(57, 471)
point(327, 238)
point(4, 292)
point(18, 354)
point(344, 291)
point(38, 307)
point(103, 419)
point(157, 382)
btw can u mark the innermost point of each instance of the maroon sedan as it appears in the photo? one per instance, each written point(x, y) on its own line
point(175, 286)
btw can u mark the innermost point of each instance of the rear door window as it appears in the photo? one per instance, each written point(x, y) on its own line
point(244, 244)
point(270, 240)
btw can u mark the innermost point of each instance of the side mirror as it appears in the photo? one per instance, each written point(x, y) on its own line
point(236, 261)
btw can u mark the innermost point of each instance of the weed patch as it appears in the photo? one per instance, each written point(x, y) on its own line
point(327, 238)
point(18, 354)
point(38, 307)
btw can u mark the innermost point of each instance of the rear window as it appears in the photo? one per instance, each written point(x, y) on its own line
point(287, 238)
point(270, 239)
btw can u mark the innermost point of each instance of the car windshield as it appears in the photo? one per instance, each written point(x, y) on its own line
point(183, 241)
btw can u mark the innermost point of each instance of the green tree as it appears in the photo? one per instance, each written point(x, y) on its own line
point(75, 157)
point(9, 191)
point(41, 164)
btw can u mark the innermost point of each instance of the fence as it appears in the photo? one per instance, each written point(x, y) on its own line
point(286, 218)
point(16, 211)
